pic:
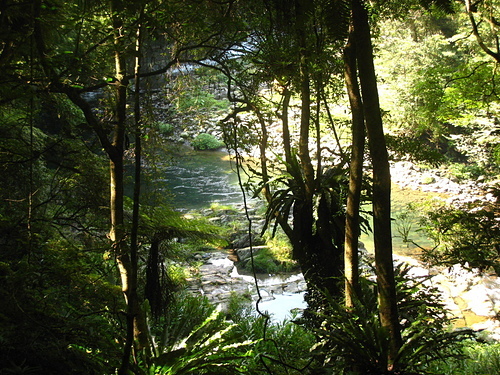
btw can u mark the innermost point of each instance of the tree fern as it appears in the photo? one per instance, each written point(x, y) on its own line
point(162, 227)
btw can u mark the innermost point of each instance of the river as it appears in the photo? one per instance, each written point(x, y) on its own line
point(198, 179)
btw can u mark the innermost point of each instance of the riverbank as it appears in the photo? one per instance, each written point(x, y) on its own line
point(219, 280)
point(471, 297)
point(437, 181)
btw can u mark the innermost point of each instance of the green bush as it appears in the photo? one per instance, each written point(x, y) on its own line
point(272, 260)
point(464, 171)
point(480, 359)
point(467, 235)
point(195, 338)
point(495, 154)
point(205, 141)
point(417, 148)
point(355, 339)
point(263, 262)
point(165, 128)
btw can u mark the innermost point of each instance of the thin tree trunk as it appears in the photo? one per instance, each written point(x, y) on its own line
point(283, 221)
point(141, 330)
point(352, 229)
point(263, 157)
point(285, 128)
point(305, 98)
point(381, 181)
point(117, 233)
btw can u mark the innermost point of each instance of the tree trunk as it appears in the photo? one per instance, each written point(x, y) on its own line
point(141, 329)
point(352, 229)
point(127, 262)
point(313, 234)
point(381, 181)
point(287, 94)
point(305, 98)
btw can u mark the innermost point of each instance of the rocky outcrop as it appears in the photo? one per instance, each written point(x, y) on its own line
point(473, 298)
point(219, 278)
point(409, 176)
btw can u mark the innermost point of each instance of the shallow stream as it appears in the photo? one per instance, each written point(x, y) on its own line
point(198, 179)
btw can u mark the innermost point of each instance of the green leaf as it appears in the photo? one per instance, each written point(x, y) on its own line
point(168, 359)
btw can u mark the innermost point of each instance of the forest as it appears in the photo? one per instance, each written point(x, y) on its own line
point(322, 109)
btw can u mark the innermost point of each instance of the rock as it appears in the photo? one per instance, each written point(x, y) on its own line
point(245, 253)
point(243, 240)
point(473, 298)
point(219, 279)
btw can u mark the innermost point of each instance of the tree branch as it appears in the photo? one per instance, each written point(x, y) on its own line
point(470, 9)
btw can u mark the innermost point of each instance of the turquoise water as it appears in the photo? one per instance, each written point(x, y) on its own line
point(197, 179)
point(401, 198)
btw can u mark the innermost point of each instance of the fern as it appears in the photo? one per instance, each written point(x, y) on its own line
point(212, 347)
point(356, 339)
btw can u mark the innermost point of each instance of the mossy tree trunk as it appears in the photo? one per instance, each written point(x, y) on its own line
point(381, 180)
point(352, 228)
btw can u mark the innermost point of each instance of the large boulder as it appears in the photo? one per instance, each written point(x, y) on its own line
point(245, 253)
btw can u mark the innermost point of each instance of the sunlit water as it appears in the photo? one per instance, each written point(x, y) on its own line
point(196, 180)
point(278, 306)
point(401, 199)
point(199, 179)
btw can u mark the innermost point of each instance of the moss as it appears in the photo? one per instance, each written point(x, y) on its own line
point(165, 128)
point(273, 259)
point(205, 141)
point(426, 180)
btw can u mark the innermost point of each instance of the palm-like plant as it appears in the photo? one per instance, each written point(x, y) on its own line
point(214, 347)
point(194, 337)
point(354, 340)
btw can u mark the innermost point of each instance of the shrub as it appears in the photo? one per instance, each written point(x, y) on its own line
point(205, 141)
point(416, 148)
point(165, 128)
point(275, 258)
point(355, 339)
point(266, 262)
point(495, 154)
point(460, 171)
point(480, 359)
point(468, 235)
point(195, 338)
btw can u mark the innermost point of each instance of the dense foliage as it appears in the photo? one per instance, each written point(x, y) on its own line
point(354, 340)
point(466, 234)
point(94, 94)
